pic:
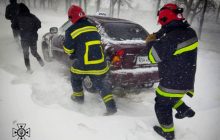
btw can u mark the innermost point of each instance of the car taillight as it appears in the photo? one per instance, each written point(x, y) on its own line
point(116, 59)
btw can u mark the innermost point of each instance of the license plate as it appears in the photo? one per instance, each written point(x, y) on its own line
point(142, 60)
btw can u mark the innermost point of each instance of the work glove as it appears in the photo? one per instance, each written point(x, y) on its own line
point(151, 37)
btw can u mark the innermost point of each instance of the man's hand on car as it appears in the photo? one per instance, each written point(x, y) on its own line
point(151, 37)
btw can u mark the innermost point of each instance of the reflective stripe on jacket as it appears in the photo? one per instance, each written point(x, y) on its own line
point(83, 44)
point(175, 51)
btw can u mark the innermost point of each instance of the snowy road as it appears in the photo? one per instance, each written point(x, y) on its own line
point(41, 100)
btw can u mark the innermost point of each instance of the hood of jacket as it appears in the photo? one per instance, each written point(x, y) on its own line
point(175, 25)
point(23, 9)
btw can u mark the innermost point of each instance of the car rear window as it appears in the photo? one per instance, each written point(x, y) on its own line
point(125, 31)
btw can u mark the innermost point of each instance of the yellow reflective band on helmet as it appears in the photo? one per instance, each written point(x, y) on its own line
point(107, 98)
point(79, 31)
point(68, 51)
point(78, 94)
point(187, 48)
point(179, 103)
point(167, 94)
point(167, 129)
point(86, 55)
point(92, 72)
point(151, 57)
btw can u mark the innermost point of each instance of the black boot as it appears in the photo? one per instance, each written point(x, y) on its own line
point(27, 63)
point(28, 66)
point(78, 99)
point(187, 113)
point(41, 62)
point(110, 112)
point(110, 107)
point(166, 135)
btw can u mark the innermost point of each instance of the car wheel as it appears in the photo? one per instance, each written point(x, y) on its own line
point(149, 85)
point(46, 51)
point(134, 90)
point(119, 91)
point(88, 85)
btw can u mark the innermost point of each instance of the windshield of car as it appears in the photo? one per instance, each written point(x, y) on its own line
point(124, 31)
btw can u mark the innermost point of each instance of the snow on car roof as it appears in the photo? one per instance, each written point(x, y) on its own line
point(102, 19)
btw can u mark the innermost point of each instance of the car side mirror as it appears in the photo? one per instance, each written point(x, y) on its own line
point(53, 30)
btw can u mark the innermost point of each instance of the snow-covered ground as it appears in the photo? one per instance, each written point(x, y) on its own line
point(42, 99)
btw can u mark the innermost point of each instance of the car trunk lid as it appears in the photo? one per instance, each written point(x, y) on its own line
point(128, 56)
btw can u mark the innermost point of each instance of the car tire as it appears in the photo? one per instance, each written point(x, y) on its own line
point(134, 90)
point(45, 51)
point(119, 91)
point(149, 85)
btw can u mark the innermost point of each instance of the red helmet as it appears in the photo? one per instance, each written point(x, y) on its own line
point(168, 13)
point(75, 13)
